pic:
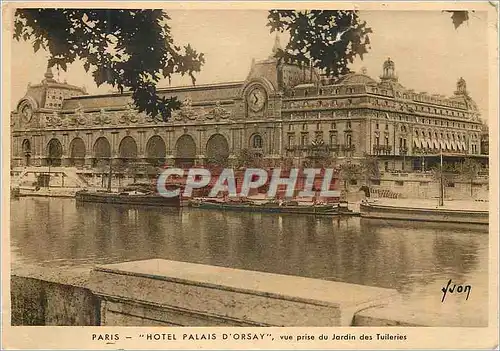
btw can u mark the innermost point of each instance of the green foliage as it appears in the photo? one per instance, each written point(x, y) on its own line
point(350, 171)
point(448, 172)
point(247, 158)
point(217, 161)
point(286, 162)
point(329, 40)
point(370, 167)
point(469, 169)
point(128, 49)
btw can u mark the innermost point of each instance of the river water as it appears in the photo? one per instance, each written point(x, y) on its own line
point(417, 259)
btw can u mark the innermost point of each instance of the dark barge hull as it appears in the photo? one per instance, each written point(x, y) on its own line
point(317, 211)
point(424, 214)
point(142, 200)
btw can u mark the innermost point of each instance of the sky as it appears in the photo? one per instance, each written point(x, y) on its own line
point(429, 53)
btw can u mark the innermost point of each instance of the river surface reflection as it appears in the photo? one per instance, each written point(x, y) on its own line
point(416, 259)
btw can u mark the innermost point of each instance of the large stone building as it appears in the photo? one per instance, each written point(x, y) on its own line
point(281, 112)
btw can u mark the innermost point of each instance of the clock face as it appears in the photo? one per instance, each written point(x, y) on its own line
point(256, 99)
point(27, 113)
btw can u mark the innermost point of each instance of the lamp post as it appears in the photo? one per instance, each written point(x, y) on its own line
point(441, 189)
point(48, 181)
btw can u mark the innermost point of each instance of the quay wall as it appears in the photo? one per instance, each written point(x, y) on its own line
point(424, 186)
point(410, 185)
point(160, 293)
point(41, 301)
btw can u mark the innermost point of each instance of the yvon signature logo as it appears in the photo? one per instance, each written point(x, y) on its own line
point(460, 289)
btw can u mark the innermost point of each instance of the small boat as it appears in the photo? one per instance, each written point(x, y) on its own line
point(271, 206)
point(132, 195)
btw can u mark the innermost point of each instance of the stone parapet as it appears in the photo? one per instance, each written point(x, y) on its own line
point(177, 293)
point(43, 296)
point(159, 293)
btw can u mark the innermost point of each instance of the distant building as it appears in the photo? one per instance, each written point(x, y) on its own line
point(485, 143)
point(281, 113)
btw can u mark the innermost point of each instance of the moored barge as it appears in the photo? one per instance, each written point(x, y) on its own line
point(133, 195)
point(293, 207)
point(444, 215)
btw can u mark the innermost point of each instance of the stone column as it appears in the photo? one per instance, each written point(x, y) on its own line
point(141, 147)
point(201, 147)
point(65, 157)
point(241, 138)
point(168, 141)
point(114, 147)
point(89, 152)
point(36, 150)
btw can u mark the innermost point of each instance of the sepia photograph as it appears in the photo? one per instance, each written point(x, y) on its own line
point(267, 165)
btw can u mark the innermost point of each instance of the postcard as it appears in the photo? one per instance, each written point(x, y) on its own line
point(250, 175)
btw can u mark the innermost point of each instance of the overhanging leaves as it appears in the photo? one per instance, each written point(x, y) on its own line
point(124, 48)
point(329, 40)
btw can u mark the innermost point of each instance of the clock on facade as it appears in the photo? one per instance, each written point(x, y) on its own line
point(256, 99)
point(27, 113)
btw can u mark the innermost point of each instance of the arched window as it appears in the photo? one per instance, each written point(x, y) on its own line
point(257, 142)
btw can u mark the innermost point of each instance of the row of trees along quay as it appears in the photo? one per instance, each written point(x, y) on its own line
point(347, 171)
point(134, 49)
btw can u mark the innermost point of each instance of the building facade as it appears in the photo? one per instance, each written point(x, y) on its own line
point(282, 113)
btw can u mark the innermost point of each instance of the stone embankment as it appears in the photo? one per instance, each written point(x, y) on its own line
point(159, 292)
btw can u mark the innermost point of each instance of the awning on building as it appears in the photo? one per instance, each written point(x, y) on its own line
point(442, 144)
point(459, 146)
point(416, 142)
point(435, 143)
point(464, 146)
point(448, 145)
point(453, 145)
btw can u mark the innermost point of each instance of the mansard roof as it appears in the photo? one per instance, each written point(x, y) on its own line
point(356, 78)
